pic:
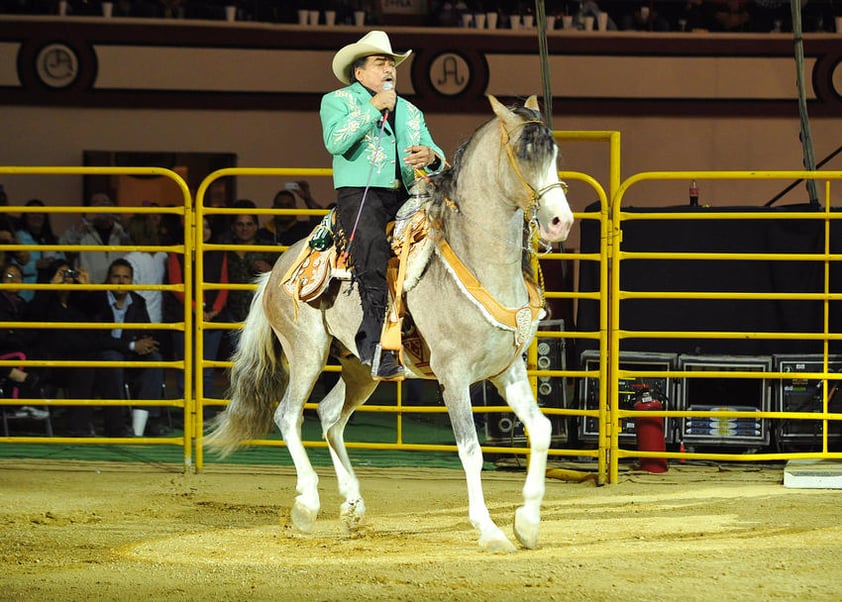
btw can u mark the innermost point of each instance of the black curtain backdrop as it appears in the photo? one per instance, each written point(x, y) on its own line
point(684, 235)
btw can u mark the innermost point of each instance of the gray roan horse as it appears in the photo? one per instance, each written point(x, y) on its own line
point(502, 189)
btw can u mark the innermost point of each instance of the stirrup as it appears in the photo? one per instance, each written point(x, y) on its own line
point(375, 367)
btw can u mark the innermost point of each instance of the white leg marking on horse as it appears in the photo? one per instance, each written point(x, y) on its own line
point(491, 537)
point(528, 516)
point(352, 510)
point(307, 504)
point(334, 413)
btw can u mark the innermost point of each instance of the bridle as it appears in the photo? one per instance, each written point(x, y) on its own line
point(533, 196)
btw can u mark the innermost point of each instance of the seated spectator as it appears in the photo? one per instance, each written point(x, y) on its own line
point(17, 343)
point(71, 306)
point(36, 229)
point(120, 345)
point(818, 16)
point(102, 229)
point(694, 15)
point(592, 8)
point(213, 304)
point(447, 13)
point(730, 15)
point(643, 16)
point(8, 237)
point(288, 229)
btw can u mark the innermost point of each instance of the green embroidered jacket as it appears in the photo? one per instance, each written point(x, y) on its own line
point(351, 128)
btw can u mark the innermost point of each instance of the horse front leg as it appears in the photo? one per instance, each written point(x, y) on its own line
point(491, 537)
point(528, 517)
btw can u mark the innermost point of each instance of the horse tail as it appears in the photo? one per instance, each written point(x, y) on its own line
point(258, 380)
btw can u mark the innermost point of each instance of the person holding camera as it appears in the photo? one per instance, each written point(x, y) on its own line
point(76, 305)
point(69, 305)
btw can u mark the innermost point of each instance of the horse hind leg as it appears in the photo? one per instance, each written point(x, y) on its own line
point(352, 390)
point(289, 417)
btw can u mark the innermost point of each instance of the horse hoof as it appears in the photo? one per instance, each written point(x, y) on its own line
point(496, 543)
point(352, 515)
point(526, 529)
point(303, 518)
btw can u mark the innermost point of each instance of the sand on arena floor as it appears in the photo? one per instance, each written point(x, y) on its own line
point(113, 531)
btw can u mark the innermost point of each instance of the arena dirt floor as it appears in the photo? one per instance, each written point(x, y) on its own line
point(123, 531)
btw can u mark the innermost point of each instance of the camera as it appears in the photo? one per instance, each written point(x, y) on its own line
point(291, 186)
point(71, 273)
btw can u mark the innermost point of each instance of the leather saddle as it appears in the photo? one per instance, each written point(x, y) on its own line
point(320, 261)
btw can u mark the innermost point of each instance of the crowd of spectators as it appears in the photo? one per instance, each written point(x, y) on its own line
point(759, 16)
point(118, 267)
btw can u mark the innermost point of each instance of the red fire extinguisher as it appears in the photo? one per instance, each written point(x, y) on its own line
point(650, 432)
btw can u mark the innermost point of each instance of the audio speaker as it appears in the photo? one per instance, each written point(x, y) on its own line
point(628, 388)
point(742, 394)
point(800, 394)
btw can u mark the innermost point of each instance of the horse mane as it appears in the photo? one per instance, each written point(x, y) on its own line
point(444, 182)
point(534, 143)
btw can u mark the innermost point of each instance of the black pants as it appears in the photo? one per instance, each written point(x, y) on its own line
point(110, 381)
point(369, 253)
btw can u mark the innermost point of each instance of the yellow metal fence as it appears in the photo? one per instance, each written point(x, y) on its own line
point(824, 214)
point(399, 409)
point(55, 328)
point(608, 450)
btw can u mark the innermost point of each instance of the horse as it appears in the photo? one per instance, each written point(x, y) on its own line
point(501, 193)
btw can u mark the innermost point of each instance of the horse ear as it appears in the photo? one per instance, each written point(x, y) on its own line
point(505, 115)
point(532, 103)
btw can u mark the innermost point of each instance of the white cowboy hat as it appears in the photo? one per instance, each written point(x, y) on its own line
point(374, 42)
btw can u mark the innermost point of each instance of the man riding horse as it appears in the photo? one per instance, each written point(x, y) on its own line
point(378, 140)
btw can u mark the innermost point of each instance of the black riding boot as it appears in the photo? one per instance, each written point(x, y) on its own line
point(368, 337)
point(368, 334)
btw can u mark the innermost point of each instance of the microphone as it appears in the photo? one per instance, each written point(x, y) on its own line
point(388, 85)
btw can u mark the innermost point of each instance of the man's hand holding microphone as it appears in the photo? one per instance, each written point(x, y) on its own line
point(385, 99)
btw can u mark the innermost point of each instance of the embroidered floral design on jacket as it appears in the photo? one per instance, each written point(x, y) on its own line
point(357, 118)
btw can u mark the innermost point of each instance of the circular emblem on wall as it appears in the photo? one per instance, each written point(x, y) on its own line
point(836, 79)
point(450, 74)
point(57, 65)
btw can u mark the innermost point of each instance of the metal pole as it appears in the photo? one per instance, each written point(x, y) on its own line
point(806, 136)
point(541, 24)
